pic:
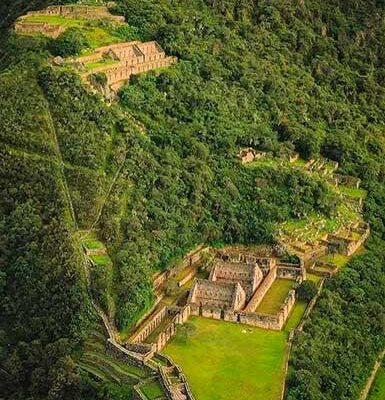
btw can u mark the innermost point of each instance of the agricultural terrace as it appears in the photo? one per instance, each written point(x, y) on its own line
point(104, 368)
point(98, 33)
point(235, 361)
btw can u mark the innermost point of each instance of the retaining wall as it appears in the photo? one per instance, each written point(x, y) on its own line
point(262, 290)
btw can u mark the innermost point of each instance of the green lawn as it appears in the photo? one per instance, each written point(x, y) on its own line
point(300, 163)
point(275, 296)
point(91, 241)
point(265, 162)
point(339, 260)
point(378, 389)
point(101, 63)
point(152, 390)
point(56, 20)
point(313, 277)
point(101, 260)
point(353, 192)
point(227, 361)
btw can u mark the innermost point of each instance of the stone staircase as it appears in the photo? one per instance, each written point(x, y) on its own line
point(173, 378)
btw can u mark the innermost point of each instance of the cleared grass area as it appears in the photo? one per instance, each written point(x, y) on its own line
point(101, 260)
point(56, 20)
point(91, 241)
point(299, 163)
point(227, 361)
point(275, 296)
point(296, 316)
point(265, 162)
point(97, 36)
point(313, 277)
point(339, 260)
point(152, 390)
point(100, 64)
point(378, 389)
point(353, 192)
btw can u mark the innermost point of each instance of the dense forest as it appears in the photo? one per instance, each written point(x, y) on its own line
point(277, 75)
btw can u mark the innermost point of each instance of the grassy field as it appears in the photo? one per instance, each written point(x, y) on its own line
point(226, 361)
point(275, 296)
point(91, 241)
point(353, 192)
point(99, 64)
point(152, 390)
point(96, 35)
point(312, 277)
point(339, 260)
point(101, 260)
point(378, 390)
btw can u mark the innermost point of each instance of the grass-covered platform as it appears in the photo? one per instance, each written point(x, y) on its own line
point(97, 33)
point(227, 361)
point(274, 298)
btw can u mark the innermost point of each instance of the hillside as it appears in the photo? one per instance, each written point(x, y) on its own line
point(154, 173)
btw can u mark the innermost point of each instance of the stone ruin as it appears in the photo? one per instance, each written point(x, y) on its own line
point(249, 154)
point(129, 58)
point(167, 318)
point(23, 26)
point(220, 296)
point(44, 28)
point(249, 276)
point(237, 283)
point(208, 297)
point(347, 241)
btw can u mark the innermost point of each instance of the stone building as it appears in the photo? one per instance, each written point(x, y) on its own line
point(249, 276)
point(249, 154)
point(349, 240)
point(130, 58)
point(222, 296)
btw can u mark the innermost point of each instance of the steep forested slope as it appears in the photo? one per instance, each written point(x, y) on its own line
point(158, 172)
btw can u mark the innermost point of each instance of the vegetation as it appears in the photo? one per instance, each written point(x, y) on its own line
point(158, 173)
point(275, 297)
point(378, 390)
point(69, 43)
point(307, 291)
point(235, 361)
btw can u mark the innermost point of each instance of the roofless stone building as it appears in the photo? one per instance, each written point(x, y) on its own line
point(119, 61)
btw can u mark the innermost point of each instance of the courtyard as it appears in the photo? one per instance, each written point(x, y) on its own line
point(226, 361)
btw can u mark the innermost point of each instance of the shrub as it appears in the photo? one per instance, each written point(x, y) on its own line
point(69, 43)
point(307, 290)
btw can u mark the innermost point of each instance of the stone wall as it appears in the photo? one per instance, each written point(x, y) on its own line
point(347, 180)
point(248, 275)
point(291, 271)
point(262, 290)
point(130, 357)
point(180, 317)
point(173, 380)
point(190, 259)
point(347, 241)
point(78, 11)
point(211, 295)
point(53, 31)
point(152, 323)
point(268, 321)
